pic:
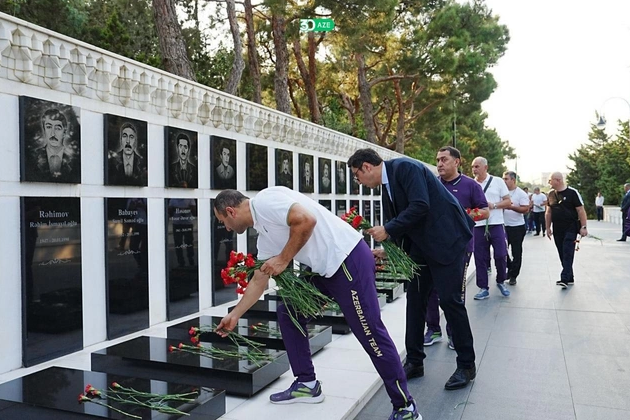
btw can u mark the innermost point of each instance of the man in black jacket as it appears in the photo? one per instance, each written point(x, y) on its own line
point(625, 206)
point(428, 222)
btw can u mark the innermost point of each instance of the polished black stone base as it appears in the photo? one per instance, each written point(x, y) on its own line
point(261, 330)
point(52, 394)
point(266, 309)
point(148, 357)
point(392, 290)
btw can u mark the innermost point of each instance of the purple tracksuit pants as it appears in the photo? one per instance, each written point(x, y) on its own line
point(353, 287)
point(498, 240)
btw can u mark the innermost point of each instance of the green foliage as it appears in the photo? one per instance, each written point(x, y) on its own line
point(601, 166)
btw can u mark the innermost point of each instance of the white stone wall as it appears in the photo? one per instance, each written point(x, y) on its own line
point(42, 64)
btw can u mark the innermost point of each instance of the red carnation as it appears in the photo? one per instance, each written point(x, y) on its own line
point(180, 346)
point(356, 222)
point(194, 339)
point(170, 349)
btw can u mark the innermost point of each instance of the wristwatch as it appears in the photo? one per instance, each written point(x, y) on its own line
point(583, 227)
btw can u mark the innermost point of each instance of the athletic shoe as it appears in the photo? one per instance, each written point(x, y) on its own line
point(483, 294)
point(299, 393)
point(450, 343)
point(562, 284)
point(512, 282)
point(504, 291)
point(404, 414)
point(432, 337)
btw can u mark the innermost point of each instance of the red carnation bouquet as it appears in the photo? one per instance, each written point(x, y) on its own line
point(298, 294)
point(475, 214)
point(398, 262)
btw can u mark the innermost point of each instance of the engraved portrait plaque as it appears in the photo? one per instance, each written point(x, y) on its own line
point(181, 157)
point(284, 168)
point(306, 173)
point(257, 167)
point(325, 176)
point(126, 151)
point(341, 174)
point(223, 160)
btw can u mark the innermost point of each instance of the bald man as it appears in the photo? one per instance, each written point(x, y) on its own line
point(566, 216)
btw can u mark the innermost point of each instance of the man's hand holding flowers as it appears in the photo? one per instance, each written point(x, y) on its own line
point(476, 214)
point(378, 233)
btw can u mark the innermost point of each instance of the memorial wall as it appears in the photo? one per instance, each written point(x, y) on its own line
point(108, 169)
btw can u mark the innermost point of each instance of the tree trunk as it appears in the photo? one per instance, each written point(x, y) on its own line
point(400, 123)
point(281, 77)
point(365, 96)
point(308, 76)
point(252, 54)
point(239, 64)
point(172, 45)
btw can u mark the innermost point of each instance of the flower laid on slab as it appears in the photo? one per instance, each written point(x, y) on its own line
point(398, 262)
point(117, 393)
point(300, 296)
point(253, 355)
point(261, 328)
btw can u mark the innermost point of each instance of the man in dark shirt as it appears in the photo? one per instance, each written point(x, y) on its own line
point(470, 196)
point(565, 211)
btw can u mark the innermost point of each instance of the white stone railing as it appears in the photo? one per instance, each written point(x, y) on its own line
point(34, 55)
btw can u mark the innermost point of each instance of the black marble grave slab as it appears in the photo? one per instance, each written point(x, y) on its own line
point(257, 167)
point(223, 242)
point(51, 277)
point(261, 330)
point(52, 394)
point(148, 357)
point(126, 265)
point(266, 309)
point(393, 290)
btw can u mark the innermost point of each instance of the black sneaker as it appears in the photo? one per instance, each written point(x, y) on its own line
point(562, 283)
point(512, 282)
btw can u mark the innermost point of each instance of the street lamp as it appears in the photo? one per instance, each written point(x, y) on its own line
point(601, 123)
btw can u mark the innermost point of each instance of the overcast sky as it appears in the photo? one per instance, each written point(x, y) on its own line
point(564, 61)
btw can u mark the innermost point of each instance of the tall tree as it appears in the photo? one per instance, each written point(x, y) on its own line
point(239, 64)
point(172, 45)
point(252, 53)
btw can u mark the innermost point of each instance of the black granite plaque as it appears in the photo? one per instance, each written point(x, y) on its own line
point(327, 204)
point(325, 176)
point(260, 330)
point(284, 168)
point(266, 309)
point(257, 167)
point(365, 190)
point(341, 177)
point(367, 215)
point(51, 276)
point(393, 290)
point(50, 142)
point(354, 185)
point(252, 240)
point(355, 204)
point(223, 242)
point(181, 158)
point(126, 265)
point(340, 205)
point(126, 151)
point(306, 173)
point(223, 158)
point(52, 394)
point(182, 272)
point(376, 190)
point(149, 357)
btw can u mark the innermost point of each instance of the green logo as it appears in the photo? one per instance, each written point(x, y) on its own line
point(316, 25)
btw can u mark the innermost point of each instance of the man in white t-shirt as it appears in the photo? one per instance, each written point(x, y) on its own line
point(599, 206)
point(515, 225)
point(490, 231)
point(292, 226)
point(539, 202)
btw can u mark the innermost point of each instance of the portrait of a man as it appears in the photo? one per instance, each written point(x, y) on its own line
point(224, 158)
point(306, 173)
point(325, 182)
point(126, 151)
point(50, 138)
point(182, 156)
point(341, 186)
point(284, 168)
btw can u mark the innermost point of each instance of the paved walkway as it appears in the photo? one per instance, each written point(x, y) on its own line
point(543, 353)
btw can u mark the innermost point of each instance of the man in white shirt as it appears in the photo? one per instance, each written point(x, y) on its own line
point(292, 226)
point(599, 206)
point(515, 225)
point(490, 231)
point(539, 201)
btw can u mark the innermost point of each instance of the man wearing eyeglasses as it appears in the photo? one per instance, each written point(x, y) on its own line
point(427, 221)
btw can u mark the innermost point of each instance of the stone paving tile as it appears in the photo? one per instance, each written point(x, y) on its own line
point(589, 412)
point(512, 406)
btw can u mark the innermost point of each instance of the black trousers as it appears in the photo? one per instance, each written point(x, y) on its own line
point(515, 236)
point(447, 280)
point(565, 244)
point(539, 219)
